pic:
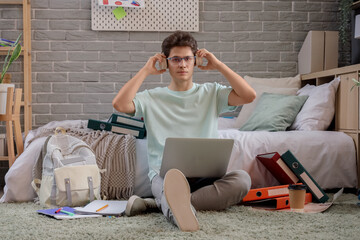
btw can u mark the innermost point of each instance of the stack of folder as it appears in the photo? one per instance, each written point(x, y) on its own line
point(120, 124)
point(271, 198)
point(287, 170)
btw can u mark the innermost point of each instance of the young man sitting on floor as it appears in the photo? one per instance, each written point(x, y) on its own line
point(184, 109)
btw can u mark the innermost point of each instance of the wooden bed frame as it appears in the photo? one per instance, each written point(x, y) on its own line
point(347, 113)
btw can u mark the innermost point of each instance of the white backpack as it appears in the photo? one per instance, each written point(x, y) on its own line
point(66, 173)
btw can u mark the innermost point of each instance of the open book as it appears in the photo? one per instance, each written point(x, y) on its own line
point(103, 207)
point(64, 213)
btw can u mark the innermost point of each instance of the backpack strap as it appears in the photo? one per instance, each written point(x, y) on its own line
point(37, 169)
point(68, 191)
point(91, 188)
point(36, 183)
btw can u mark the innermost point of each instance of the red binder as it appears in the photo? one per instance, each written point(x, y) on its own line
point(275, 203)
point(267, 192)
point(278, 168)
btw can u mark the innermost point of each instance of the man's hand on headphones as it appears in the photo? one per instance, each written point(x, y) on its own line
point(212, 61)
point(150, 65)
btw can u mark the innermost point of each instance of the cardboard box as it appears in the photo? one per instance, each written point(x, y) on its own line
point(331, 50)
point(319, 52)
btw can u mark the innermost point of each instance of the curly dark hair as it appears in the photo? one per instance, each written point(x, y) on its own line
point(179, 39)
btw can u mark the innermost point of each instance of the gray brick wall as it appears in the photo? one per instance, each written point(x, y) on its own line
point(77, 71)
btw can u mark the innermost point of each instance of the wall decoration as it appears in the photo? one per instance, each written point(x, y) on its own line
point(170, 15)
point(122, 3)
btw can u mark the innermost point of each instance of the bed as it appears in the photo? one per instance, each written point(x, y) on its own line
point(278, 120)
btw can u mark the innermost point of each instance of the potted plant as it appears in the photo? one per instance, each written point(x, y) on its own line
point(357, 83)
point(13, 54)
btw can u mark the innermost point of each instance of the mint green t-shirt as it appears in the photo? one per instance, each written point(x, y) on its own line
point(191, 113)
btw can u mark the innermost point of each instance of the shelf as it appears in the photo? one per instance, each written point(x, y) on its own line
point(26, 53)
point(4, 50)
point(334, 72)
point(11, 1)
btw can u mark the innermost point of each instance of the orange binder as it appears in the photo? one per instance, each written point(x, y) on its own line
point(267, 192)
point(275, 203)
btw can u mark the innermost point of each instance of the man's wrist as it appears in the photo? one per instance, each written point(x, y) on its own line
point(144, 71)
point(220, 65)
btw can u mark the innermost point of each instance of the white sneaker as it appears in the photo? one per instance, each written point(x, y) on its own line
point(137, 205)
point(178, 196)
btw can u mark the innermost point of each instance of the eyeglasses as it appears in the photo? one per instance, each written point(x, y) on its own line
point(178, 60)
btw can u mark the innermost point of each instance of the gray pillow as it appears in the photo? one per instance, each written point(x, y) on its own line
point(274, 112)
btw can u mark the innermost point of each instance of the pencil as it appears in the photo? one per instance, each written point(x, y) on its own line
point(102, 208)
point(66, 212)
point(57, 211)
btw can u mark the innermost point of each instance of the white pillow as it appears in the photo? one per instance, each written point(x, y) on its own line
point(318, 110)
point(287, 82)
point(247, 109)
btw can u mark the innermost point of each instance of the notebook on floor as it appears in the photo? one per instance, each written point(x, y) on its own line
point(197, 157)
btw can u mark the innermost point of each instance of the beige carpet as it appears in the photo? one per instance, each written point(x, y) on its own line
point(341, 221)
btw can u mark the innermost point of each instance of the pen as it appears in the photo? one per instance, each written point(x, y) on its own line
point(57, 211)
point(66, 212)
point(102, 208)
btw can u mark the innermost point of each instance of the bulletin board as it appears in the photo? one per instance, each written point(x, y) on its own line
point(157, 15)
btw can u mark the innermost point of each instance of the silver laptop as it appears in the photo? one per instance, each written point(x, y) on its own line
point(197, 157)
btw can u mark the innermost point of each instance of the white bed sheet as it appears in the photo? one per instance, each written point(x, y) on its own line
point(328, 156)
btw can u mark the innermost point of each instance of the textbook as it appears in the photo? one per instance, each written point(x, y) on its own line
point(103, 207)
point(275, 203)
point(123, 119)
point(278, 168)
point(116, 128)
point(267, 192)
point(64, 213)
point(304, 177)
